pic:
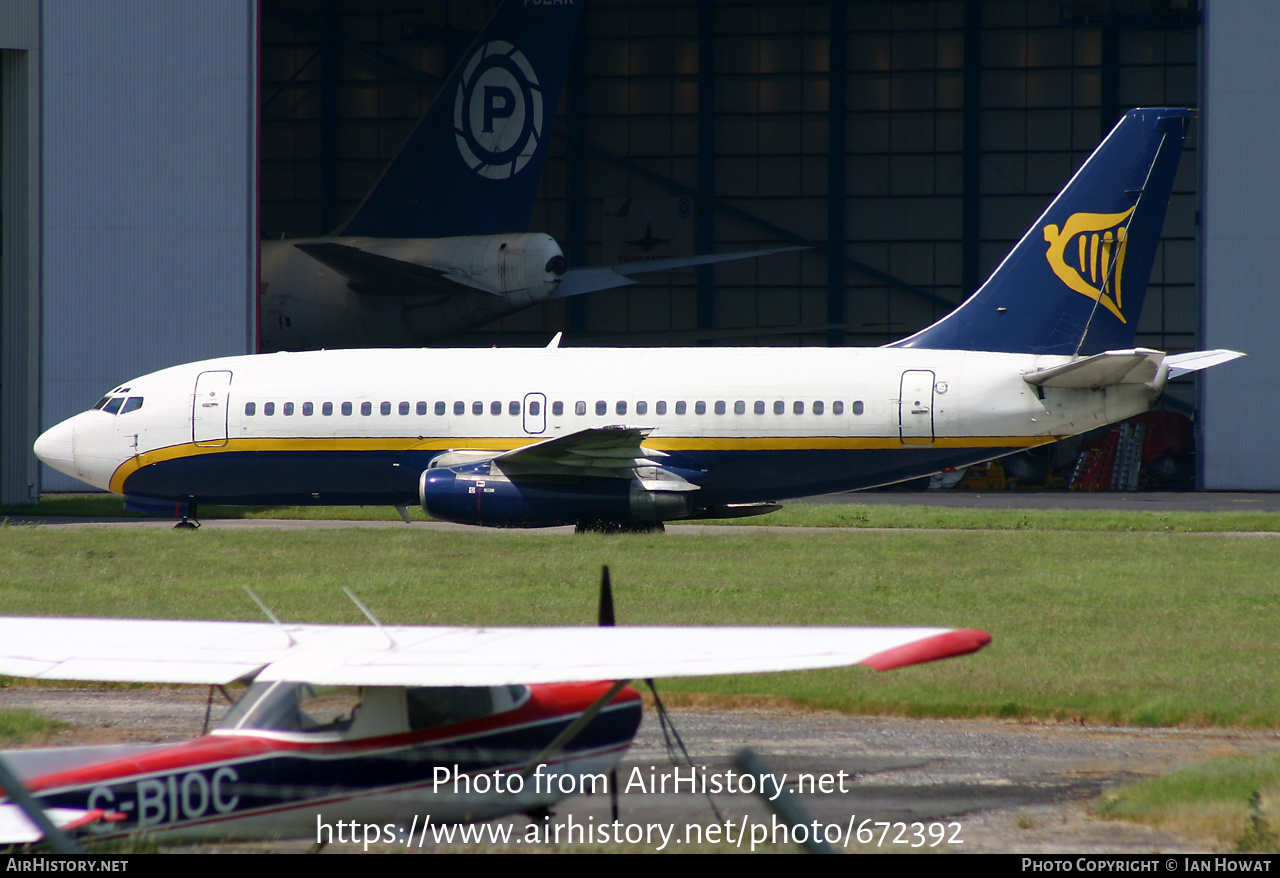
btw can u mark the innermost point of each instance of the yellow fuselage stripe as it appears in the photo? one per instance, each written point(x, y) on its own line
point(673, 443)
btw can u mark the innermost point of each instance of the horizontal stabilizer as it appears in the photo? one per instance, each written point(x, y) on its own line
point(1184, 364)
point(383, 276)
point(578, 281)
point(137, 650)
point(1137, 366)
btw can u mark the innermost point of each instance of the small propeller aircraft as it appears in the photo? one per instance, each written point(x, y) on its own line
point(375, 723)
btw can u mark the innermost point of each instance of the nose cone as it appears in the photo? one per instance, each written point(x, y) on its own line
point(56, 448)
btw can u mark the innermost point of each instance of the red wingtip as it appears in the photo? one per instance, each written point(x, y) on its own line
point(930, 649)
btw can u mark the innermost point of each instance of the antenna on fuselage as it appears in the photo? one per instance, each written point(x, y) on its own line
point(368, 615)
point(270, 615)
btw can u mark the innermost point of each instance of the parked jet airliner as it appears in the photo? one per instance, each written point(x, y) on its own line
point(441, 244)
point(529, 438)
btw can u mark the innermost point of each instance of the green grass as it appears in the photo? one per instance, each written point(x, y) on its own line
point(24, 727)
point(1139, 628)
point(792, 515)
point(1234, 801)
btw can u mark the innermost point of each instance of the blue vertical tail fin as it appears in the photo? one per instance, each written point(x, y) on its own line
point(473, 163)
point(1076, 281)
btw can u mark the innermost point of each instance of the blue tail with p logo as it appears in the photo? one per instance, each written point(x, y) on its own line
point(1076, 281)
point(473, 164)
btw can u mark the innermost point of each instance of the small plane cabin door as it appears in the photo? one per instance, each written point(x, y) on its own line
point(209, 408)
point(535, 413)
point(915, 408)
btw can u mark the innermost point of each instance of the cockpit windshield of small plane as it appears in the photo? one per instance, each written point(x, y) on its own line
point(354, 711)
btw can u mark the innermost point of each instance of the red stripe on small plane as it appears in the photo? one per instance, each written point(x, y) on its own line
point(930, 649)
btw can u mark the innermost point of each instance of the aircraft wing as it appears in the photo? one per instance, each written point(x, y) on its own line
point(138, 651)
point(372, 273)
point(578, 281)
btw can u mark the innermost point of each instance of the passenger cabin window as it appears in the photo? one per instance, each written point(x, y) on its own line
point(557, 408)
point(660, 407)
point(346, 408)
point(681, 407)
point(404, 408)
point(798, 407)
point(535, 407)
point(308, 409)
point(385, 409)
point(477, 408)
point(288, 409)
point(857, 406)
point(268, 408)
point(642, 407)
point(249, 408)
point(132, 404)
point(366, 408)
point(621, 407)
point(495, 407)
point(759, 407)
point(817, 407)
point(740, 407)
point(513, 408)
point(326, 409)
point(779, 407)
point(580, 407)
point(720, 409)
point(699, 408)
point(837, 408)
point(459, 408)
point(439, 409)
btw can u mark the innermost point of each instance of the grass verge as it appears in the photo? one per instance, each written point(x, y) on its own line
point(1137, 628)
point(1234, 802)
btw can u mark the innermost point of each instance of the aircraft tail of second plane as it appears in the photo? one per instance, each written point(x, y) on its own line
point(473, 164)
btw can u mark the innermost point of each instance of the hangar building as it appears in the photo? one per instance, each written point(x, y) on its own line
point(147, 146)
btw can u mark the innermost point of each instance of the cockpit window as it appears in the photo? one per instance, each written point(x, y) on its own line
point(114, 405)
point(295, 707)
point(106, 399)
point(132, 404)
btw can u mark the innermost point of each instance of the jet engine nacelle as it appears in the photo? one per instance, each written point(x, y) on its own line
point(474, 495)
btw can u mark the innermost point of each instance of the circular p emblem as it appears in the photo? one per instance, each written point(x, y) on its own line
point(497, 114)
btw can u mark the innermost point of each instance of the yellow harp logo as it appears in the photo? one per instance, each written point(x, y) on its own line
point(1095, 244)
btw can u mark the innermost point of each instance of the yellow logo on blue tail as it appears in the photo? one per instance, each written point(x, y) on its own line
point(1097, 257)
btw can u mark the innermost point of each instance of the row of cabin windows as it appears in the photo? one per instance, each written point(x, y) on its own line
point(720, 407)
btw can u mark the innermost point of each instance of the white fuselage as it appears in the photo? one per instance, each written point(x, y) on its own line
point(745, 425)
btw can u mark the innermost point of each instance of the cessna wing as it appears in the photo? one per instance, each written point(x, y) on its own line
point(137, 651)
